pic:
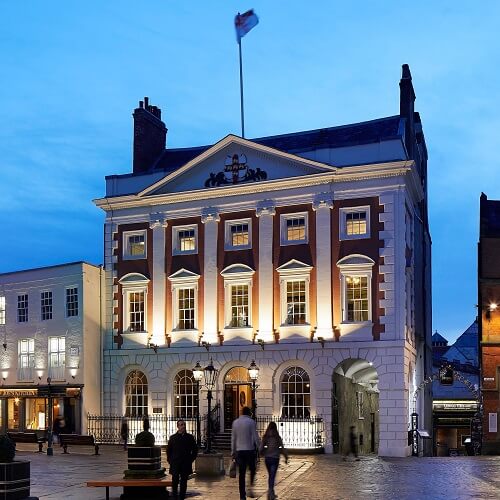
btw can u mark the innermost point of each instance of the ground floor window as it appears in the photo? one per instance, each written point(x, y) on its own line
point(186, 395)
point(295, 393)
point(136, 394)
point(36, 413)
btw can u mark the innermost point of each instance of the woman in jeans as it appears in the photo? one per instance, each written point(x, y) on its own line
point(271, 447)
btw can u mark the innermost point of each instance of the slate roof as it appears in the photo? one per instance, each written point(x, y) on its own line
point(382, 129)
point(436, 337)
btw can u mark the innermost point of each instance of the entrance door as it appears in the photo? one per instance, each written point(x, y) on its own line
point(237, 394)
point(236, 397)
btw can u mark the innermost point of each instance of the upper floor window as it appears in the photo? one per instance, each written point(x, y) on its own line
point(22, 308)
point(134, 244)
point(26, 361)
point(46, 305)
point(354, 223)
point(185, 239)
point(296, 302)
point(294, 228)
point(356, 278)
point(238, 280)
point(57, 357)
point(184, 285)
point(186, 298)
point(71, 302)
point(239, 305)
point(134, 290)
point(2, 310)
point(238, 234)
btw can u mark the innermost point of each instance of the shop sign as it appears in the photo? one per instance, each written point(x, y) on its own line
point(18, 393)
point(455, 406)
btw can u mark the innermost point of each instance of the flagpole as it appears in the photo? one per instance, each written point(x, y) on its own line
point(241, 92)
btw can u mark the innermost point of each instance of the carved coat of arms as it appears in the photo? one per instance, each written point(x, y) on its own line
point(236, 170)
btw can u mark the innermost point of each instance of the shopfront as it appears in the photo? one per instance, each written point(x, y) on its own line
point(27, 409)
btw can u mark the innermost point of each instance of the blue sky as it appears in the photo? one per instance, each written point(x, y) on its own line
point(72, 72)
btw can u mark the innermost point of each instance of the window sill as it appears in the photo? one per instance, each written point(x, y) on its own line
point(176, 253)
point(185, 330)
point(134, 257)
point(293, 242)
point(238, 330)
point(344, 237)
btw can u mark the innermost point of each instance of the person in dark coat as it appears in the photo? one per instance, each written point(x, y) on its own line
point(181, 453)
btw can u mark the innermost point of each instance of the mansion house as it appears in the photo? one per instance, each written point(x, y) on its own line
point(306, 254)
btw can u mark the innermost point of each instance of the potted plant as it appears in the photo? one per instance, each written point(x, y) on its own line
point(14, 475)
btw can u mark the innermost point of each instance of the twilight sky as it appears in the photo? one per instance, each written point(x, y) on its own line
point(72, 72)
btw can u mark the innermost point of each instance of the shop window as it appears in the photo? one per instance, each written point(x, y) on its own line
point(13, 413)
point(71, 302)
point(36, 413)
point(22, 308)
point(185, 394)
point(295, 393)
point(136, 394)
point(46, 305)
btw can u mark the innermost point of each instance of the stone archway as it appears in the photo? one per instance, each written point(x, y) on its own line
point(355, 402)
point(237, 394)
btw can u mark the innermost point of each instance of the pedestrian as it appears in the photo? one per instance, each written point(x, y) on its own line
point(56, 429)
point(271, 448)
point(124, 433)
point(244, 445)
point(181, 453)
point(353, 448)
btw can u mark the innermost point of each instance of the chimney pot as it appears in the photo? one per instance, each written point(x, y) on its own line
point(141, 104)
point(146, 102)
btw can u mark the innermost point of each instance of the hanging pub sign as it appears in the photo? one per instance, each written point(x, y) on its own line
point(446, 375)
point(236, 170)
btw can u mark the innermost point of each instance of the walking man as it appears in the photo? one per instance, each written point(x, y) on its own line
point(181, 453)
point(244, 443)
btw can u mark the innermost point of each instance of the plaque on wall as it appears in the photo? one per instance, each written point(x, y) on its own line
point(74, 351)
point(157, 410)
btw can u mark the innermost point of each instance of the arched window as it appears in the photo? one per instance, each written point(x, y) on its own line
point(185, 394)
point(136, 394)
point(295, 393)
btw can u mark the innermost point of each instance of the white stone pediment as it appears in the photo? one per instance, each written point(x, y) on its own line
point(293, 266)
point(133, 279)
point(234, 161)
point(355, 260)
point(236, 270)
point(184, 275)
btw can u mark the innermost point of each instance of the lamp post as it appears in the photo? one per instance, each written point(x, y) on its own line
point(198, 375)
point(50, 450)
point(210, 373)
point(253, 372)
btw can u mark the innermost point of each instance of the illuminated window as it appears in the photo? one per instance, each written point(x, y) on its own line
point(71, 302)
point(354, 223)
point(296, 302)
point(356, 301)
point(186, 298)
point(295, 393)
point(294, 229)
point(26, 359)
point(185, 394)
point(57, 357)
point(136, 394)
point(238, 234)
point(46, 305)
point(134, 292)
point(2, 310)
point(22, 308)
point(136, 311)
point(185, 240)
point(134, 245)
point(239, 306)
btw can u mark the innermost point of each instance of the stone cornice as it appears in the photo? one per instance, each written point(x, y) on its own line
point(346, 174)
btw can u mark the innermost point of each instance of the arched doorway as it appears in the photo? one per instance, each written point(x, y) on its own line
point(237, 394)
point(355, 402)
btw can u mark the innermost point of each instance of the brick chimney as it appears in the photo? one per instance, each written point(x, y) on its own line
point(407, 108)
point(150, 136)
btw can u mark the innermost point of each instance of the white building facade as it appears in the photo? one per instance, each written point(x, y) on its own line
point(307, 253)
point(50, 328)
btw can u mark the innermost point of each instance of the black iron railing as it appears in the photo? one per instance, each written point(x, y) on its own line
point(106, 429)
point(304, 433)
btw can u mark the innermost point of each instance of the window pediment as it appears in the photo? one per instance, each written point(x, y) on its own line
point(133, 279)
point(237, 271)
point(294, 266)
point(355, 260)
point(183, 275)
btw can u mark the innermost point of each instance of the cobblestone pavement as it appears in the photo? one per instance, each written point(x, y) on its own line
point(322, 477)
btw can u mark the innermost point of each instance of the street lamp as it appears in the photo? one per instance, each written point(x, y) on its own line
point(50, 450)
point(253, 372)
point(210, 373)
point(198, 375)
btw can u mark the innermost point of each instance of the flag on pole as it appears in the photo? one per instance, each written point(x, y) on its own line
point(244, 23)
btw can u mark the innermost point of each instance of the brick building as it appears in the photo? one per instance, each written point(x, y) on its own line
point(307, 253)
point(489, 325)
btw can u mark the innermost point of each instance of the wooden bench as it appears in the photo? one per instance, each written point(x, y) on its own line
point(27, 437)
point(118, 481)
point(66, 440)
